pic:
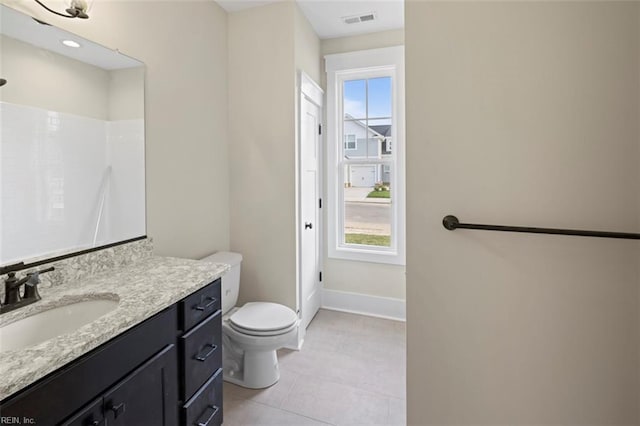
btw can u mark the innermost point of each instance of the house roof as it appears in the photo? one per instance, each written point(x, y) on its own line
point(382, 129)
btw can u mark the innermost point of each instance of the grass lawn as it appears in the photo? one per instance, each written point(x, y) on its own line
point(379, 194)
point(368, 240)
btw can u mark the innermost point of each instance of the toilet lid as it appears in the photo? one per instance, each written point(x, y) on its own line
point(263, 316)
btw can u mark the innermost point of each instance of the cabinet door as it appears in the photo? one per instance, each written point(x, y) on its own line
point(90, 415)
point(148, 396)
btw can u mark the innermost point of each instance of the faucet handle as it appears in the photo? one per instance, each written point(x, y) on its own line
point(12, 289)
point(31, 286)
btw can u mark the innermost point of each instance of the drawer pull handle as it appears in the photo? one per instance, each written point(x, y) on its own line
point(203, 357)
point(118, 409)
point(208, 305)
point(213, 414)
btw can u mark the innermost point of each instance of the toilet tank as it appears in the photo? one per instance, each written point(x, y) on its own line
point(230, 280)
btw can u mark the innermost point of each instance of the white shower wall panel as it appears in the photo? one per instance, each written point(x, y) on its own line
point(126, 206)
point(54, 173)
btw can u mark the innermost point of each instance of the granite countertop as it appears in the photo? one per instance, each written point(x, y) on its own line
point(142, 289)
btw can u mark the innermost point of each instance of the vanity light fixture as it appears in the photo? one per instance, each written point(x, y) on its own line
point(70, 43)
point(76, 9)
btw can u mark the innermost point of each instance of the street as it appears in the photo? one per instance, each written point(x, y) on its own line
point(367, 218)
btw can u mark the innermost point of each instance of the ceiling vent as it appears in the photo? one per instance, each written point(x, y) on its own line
point(356, 19)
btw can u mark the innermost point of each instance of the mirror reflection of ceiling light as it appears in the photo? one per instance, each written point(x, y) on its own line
point(70, 43)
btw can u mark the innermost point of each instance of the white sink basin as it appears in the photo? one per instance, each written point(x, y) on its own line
point(52, 323)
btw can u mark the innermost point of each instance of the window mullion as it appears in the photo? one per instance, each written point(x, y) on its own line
point(366, 116)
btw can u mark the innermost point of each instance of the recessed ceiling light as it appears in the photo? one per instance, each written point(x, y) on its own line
point(70, 43)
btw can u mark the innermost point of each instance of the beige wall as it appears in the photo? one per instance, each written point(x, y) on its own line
point(50, 81)
point(522, 113)
point(372, 279)
point(307, 47)
point(262, 150)
point(186, 112)
point(126, 94)
point(377, 40)
point(267, 46)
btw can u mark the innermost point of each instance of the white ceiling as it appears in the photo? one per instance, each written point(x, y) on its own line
point(326, 15)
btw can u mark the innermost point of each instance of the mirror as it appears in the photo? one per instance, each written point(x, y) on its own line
point(71, 142)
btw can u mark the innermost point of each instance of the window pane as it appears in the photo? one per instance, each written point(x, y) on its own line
point(367, 205)
point(379, 97)
point(380, 131)
point(355, 99)
point(355, 139)
point(362, 141)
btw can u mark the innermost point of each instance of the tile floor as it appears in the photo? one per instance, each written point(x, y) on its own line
point(350, 371)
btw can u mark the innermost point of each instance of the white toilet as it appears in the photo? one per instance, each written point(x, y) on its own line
point(252, 333)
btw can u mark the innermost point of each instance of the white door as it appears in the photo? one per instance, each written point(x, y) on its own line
point(310, 190)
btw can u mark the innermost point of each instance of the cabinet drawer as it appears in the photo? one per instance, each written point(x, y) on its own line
point(200, 305)
point(201, 352)
point(205, 408)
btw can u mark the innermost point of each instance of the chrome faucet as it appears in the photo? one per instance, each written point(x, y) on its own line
point(12, 298)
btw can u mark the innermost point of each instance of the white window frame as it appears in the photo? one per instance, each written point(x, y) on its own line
point(355, 65)
point(355, 142)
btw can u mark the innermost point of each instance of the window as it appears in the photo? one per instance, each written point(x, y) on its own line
point(365, 176)
point(350, 142)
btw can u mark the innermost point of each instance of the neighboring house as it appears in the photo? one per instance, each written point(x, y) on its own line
point(362, 142)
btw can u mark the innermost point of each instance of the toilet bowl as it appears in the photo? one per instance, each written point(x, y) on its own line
point(252, 333)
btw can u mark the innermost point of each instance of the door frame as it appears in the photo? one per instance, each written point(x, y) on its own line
point(307, 89)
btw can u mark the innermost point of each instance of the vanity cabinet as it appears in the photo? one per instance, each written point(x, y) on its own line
point(165, 371)
point(144, 397)
point(201, 357)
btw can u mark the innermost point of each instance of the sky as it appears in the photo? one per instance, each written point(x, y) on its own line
point(379, 99)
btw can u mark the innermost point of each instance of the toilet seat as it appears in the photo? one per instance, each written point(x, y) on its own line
point(262, 333)
point(263, 319)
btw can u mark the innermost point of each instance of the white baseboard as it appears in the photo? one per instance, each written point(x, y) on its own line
point(364, 304)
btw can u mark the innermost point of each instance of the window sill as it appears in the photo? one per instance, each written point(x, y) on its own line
point(363, 255)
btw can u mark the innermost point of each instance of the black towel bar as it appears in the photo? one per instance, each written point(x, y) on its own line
point(451, 223)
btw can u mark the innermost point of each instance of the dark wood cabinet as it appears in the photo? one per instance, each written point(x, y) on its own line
point(91, 415)
point(205, 407)
point(200, 305)
point(159, 373)
point(147, 396)
point(201, 357)
point(202, 351)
